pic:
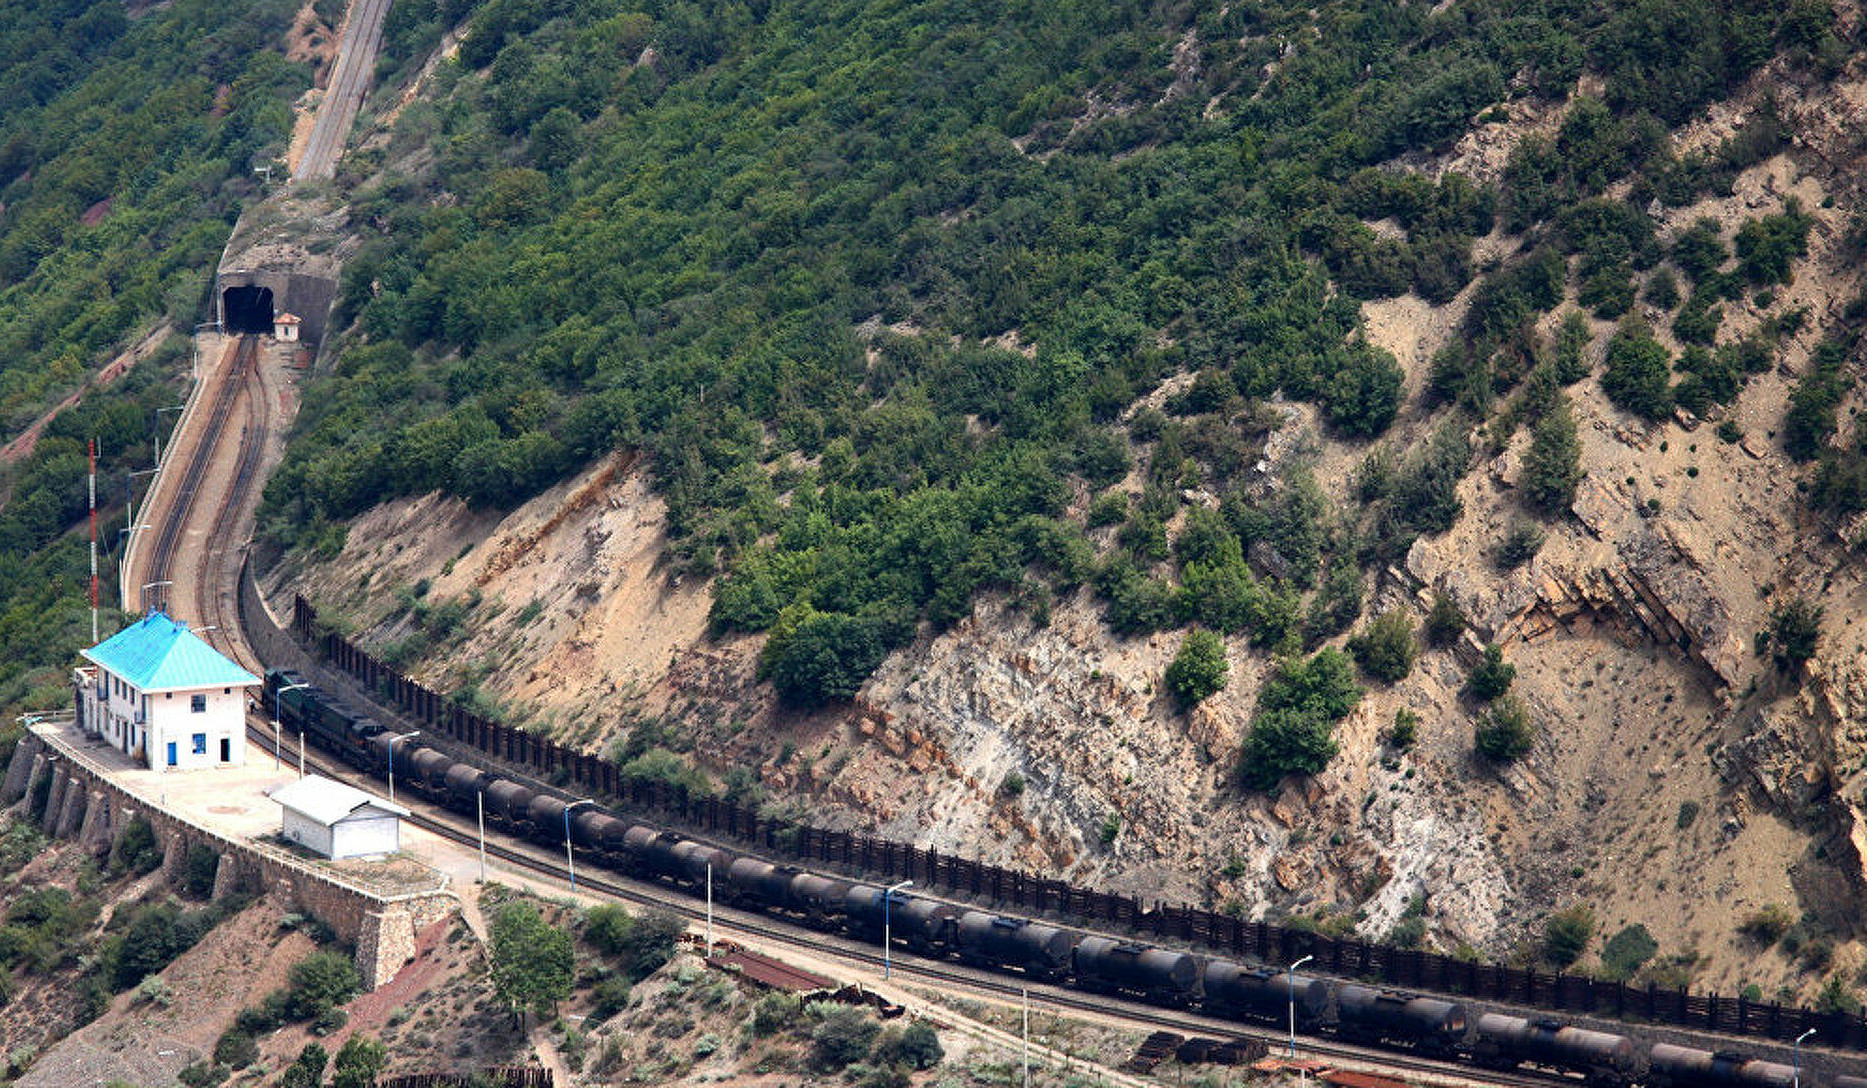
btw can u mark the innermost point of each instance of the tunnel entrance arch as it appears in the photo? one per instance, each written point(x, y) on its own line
point(247, 309)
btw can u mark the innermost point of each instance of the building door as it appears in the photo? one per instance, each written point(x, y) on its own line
point(226, 749)
point(171, 753)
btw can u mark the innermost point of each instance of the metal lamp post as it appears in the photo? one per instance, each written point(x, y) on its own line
point(888, 897)
point(1290, 977)
point(278, 711)
point(147, 586)
point(1798, 1053)
point(159, 430)
point(392, 740)
point(570, 863)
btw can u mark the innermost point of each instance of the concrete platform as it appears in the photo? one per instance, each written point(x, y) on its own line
point(232, 802)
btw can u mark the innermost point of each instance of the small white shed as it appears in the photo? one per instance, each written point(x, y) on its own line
point(337, 820)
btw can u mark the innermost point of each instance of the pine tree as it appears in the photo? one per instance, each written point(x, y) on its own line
point(1553, 467)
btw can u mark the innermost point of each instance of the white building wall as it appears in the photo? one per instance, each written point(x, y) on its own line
point(365, 833)
point(307, 832)
point(172, 720)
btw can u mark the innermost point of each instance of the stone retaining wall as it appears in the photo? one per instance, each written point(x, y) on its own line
point(86, 805)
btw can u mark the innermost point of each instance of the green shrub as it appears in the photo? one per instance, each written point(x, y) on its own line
point(843, 1035)
point(775, 1013)
point(609, 997)
point(916, 1046)
point(199, 867)
point(638, 944)
point(1519, 546)
point(1385, 649)
point(1566, 935)
point(1406, 730)
point(1492, 676)
point(1794, 631)
point(1837, 997)
point(358, 1062)
point(1444, 622)
point(319, 983)
point(236, 1049)
point(1626, 952)
point(1688, 812)
point(1198, 669)
point(1505, 733)
point(135, 851)
point(1767, 924)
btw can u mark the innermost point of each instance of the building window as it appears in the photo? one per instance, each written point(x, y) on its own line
point(198, 704)
point(200, 744)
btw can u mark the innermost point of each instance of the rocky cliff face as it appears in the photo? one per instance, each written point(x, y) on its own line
point(1677, 780)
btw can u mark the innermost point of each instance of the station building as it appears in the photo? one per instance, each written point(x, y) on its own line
point(156, 691)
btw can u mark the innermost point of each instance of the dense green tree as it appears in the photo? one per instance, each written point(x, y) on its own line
point(358, 1062)
point(1639, 372)
point(1297, 710)
point(1766, 246)
point(1198, 669)
point(531, 961)
point(1505, 733)
point(1553, 466)
point(1492, 676)
point(826, 659)
point(1386, 649)
point(1699, 250)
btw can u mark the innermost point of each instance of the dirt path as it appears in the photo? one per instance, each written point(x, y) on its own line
point(22, 446)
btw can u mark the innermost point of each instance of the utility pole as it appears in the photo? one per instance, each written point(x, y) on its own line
point(92, 487)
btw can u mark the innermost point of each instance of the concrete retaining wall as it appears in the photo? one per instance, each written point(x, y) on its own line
point(86, 805)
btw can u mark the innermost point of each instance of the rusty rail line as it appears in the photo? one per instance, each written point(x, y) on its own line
point(232, 385)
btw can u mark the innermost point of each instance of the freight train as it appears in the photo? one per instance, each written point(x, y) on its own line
point(1030, 948)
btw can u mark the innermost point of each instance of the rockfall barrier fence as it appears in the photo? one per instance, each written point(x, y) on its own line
point(886, 861)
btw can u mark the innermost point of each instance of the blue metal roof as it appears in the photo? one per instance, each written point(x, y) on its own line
point(158, 653)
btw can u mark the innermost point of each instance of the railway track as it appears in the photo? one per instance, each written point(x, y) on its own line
point(175, 520)
point(944, 976)
point(356, 59)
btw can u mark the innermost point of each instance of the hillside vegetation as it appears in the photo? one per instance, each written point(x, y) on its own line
point(126, 149)
point(879, 285)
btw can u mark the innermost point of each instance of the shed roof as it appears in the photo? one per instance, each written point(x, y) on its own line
point(288, 319)
point(328, 801)
point(159, 653)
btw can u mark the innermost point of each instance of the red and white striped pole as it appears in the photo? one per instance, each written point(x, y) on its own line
point(93, 493)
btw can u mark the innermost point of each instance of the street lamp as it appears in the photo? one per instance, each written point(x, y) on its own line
point(147, 586)
point(888, 897)
point(570, 862)
point(159, 411)
point(1291, 978)
point(1798, 1052)
point(278, 711)
point(392, 740)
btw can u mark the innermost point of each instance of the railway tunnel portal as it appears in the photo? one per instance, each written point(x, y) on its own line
point(248, 298)
point(247, 309)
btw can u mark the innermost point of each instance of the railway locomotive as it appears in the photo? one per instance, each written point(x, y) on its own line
point(1031, 948)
